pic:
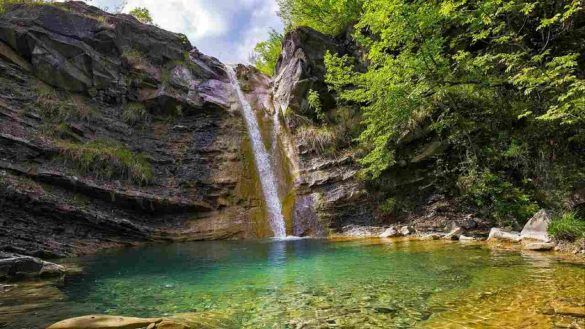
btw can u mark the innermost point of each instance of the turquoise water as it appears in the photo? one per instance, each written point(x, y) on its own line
point(315, 283)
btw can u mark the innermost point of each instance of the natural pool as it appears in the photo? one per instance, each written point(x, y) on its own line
point(313, 283)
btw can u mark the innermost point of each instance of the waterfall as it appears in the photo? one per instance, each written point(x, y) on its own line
point(263, 163)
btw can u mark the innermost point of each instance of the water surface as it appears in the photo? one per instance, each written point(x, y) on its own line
point(314, 283)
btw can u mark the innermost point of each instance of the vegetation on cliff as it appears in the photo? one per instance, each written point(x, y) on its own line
point(495, 88)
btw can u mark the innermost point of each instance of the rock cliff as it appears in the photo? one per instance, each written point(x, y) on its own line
point(114, 132)
point(329, 195)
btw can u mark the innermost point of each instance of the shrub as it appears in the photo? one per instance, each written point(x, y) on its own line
point(108, 159)
point(315, 105)
point(497, 198)
point(567, 227)
point(135, 113)
point(142, 14)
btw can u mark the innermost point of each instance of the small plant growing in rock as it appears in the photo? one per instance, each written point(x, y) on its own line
point(108, 160)
point(315, 105)
point(142, 14)
point(135, 113)
point(318, 139)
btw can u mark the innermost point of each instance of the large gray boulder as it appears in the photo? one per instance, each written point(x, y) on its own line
point(537, 227)
point(301, 67)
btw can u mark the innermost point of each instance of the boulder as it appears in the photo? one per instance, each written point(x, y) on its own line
point(539, 246)
point(14, 266)
point(389, 232)
point(466, 238)
point(454, 234)
point(406, 230)
point(537, 227)
point(499, 234)
point(104, 322)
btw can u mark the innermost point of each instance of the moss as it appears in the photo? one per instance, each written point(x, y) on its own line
point(108, 159)
point(135, 113)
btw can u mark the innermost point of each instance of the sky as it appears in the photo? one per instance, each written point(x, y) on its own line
point(226, 29)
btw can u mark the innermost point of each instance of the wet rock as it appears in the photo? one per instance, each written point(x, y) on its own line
point(454, 234)
point(569, 310)
point(432, 236)
point(539, 246)
point(362, 231)
point(14, 266)
point(537, 227)
point(499, 234)
point(386, 310)
point(168, 324)
point(466, 238)
point(104, 322)
point(389, 233)
point(406, 230)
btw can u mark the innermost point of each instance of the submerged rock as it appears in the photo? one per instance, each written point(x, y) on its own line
point(105, 322)
point(14, 266)
point(537, 227)
point(539, 246)
point(499, 234)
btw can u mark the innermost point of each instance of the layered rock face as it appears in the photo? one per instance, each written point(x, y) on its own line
point(329, 195)
point(115, 132)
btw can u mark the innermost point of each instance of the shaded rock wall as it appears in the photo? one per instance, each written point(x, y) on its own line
point(77, 60)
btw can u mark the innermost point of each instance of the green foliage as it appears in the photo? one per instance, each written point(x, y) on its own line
point(108, 160)
point(315, 105)
point(388, 206)
point(567, 227)
point(327, 16)
point(266, 53)
point(499, 81)
point(142, 14)
point(135, 114)
point(497, 198)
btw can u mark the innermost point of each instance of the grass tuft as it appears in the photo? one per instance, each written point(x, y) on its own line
point(567, 227)
point(135, 113)
point(108, 160)
point(318, 139)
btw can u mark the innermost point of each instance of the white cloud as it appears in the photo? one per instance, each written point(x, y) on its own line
point(190, 17)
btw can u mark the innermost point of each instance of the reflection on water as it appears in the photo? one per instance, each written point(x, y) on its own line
point(317, 283)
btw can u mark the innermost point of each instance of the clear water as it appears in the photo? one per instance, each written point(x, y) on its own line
point(262, 160)
point(313, 284)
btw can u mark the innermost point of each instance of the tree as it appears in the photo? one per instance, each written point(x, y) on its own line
point(266, 53)
point(498, 81)
point(327, 16)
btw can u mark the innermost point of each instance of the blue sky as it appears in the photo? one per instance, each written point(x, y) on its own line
point(226, 29)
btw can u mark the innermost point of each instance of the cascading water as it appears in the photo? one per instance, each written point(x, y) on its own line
point(263, 163)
